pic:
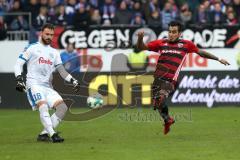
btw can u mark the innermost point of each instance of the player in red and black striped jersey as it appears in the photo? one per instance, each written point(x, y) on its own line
point(173, 52)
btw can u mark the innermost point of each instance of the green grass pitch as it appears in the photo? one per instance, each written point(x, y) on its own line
point(126, 134)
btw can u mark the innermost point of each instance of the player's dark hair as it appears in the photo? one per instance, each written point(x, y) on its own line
point(176, 23)
point(47, 25)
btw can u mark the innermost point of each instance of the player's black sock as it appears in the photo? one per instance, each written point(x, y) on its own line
point(164, 112)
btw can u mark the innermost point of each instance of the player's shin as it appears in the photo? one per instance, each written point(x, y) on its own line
point(160, 105)
point(45, 119)
point(57, 117)
point(164, 112)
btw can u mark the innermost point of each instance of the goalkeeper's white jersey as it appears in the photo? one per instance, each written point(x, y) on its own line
point(41, 63)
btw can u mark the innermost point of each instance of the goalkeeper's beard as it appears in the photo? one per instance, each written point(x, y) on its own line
point(47, 41)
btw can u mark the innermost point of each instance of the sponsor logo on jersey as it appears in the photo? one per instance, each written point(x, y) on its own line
point(44, 61)
point(171, 51)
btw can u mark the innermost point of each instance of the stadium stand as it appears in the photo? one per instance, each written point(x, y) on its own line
point(18, 17)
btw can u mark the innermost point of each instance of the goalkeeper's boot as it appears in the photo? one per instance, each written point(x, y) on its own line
point(167, 125)
point(43, 137)
point(56, 138)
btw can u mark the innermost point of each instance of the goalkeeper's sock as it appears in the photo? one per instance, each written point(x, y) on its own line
point(55, 121)
point(57, 117)
point(45, 119)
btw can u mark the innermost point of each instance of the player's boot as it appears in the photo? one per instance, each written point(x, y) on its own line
point(167, 125)
point(43, 137)
point(56, 138)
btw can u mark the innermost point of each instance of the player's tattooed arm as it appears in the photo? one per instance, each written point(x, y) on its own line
point(140, 44)
point(208, 55)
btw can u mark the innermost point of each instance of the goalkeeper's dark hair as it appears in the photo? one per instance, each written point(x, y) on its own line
point(176, 23)
point(47, 25)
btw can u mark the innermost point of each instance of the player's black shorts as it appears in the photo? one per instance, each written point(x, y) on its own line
point(162, 87)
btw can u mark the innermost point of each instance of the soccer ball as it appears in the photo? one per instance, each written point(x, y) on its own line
point(95, 101)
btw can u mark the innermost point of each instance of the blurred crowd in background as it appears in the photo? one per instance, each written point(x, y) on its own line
point(82, 13)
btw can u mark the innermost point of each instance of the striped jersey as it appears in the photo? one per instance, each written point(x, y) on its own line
point(172, 56)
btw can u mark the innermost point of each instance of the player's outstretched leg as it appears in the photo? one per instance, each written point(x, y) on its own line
point(56, 118)
point(46, 122)
point(168, 121)
point(159, 104)
point(160, 92)
point(61, 110)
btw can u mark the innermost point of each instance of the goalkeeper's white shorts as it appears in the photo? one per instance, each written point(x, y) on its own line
point(37, 93)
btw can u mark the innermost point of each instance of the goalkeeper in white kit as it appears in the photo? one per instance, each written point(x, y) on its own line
point(42, 60)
